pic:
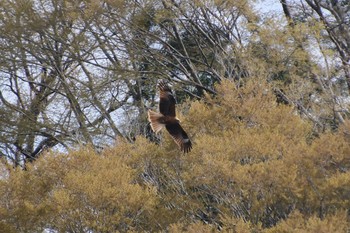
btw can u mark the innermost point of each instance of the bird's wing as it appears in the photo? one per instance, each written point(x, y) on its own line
point(179, 136)
point(167, 101)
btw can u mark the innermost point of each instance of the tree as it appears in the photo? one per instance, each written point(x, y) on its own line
point(86, 73)
point(56, 87)
point(334, 15)
point(325, 42)
point(78, 73)
point(257, 168)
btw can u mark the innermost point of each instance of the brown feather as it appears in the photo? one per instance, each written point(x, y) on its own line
point(167, 118)
point(155, 119)
point(167, 101)
point(180, 136)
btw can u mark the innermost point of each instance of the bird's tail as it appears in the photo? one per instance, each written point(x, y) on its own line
point(154, 118)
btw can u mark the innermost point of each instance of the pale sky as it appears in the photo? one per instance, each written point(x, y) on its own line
point(269, 6)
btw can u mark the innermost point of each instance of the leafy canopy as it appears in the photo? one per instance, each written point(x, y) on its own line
point(255, 167)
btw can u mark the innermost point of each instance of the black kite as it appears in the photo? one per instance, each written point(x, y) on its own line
point(167, 117)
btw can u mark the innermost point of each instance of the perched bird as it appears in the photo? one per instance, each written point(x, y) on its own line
point(167, 118)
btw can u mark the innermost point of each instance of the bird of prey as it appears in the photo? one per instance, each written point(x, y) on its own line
point(167, 118)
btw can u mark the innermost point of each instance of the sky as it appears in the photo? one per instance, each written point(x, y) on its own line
point(269, 6)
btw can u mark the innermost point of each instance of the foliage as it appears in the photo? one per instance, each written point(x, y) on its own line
point(264, 98)
point(85, 72)
point(80, 191)
point(255, 167)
